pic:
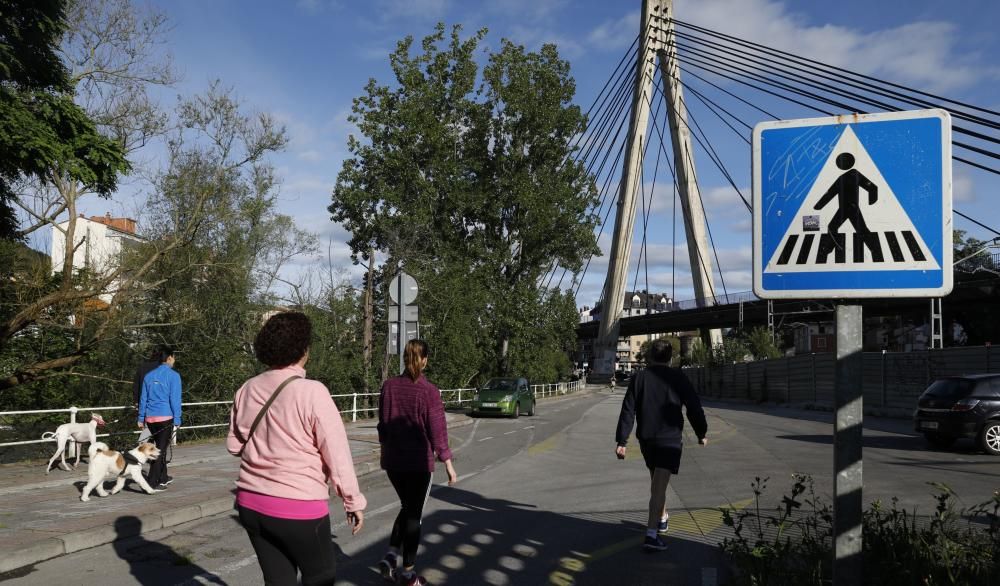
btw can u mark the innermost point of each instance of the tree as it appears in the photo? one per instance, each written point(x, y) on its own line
point(44, 136)
point(468, 181)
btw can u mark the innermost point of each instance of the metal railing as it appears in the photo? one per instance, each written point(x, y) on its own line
point(450, 397)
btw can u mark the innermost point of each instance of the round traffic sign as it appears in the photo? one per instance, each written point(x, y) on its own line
point(409, 289)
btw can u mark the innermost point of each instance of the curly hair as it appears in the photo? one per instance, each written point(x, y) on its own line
point(284, 339)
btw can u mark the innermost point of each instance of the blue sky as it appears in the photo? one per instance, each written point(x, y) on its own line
point(304, 62)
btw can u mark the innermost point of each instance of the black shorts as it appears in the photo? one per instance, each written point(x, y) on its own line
point(661, 457)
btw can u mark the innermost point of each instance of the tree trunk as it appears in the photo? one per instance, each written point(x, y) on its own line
point(369, 318)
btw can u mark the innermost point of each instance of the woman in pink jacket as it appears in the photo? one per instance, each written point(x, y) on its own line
point(293, 449)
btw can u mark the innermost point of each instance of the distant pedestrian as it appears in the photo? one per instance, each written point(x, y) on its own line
point(154, 360)
point(411, 430)
point(654, 399)
point(160, 411)
point(293, 449)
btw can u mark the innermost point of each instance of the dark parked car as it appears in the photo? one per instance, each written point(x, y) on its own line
point(504, 396)
point(961, 406)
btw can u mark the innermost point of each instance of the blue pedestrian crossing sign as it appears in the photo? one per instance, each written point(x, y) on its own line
point(853, 206)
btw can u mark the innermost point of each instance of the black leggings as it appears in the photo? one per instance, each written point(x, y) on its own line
point(161, 433)
point(286, 546)
point(412, 489)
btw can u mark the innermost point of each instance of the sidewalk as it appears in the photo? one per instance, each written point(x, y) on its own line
point(42, 517)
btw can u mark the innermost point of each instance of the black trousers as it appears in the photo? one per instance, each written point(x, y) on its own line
point(285, 547)
point(412, 489)
point(161, 432)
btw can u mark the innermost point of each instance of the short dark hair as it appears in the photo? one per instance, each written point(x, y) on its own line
point(164, 352)
point(660, 351)
point(284, 339)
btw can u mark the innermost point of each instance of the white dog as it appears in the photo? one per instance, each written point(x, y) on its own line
point(79, 433)
point(105, 462)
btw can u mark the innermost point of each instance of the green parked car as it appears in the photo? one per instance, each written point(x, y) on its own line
point(504, 396)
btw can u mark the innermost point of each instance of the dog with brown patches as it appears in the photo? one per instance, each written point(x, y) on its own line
point(106, 462)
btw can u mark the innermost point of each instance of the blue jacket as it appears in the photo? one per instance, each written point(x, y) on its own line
point(161, 394)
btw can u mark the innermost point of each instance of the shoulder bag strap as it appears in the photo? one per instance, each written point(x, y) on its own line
point(263, 411)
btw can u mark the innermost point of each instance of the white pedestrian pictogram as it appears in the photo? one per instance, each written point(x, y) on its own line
point(836, 229)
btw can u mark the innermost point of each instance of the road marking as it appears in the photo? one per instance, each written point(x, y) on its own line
point(472, 434)
point(511, 431)
point(529, 427)
point(546, 445)
point(703, 521)
point(486, 438)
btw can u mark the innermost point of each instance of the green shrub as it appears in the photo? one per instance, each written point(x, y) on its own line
point(791, 544)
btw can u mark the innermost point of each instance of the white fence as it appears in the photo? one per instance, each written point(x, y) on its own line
point(451, 398)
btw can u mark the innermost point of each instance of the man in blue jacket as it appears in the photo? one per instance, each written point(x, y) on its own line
point(654, 398)
point(160, 411)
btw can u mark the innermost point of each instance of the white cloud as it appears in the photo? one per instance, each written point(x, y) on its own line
point(962, 187)
point(616, 33)
point(534, 37)
point(921, 53)
point(412, 9)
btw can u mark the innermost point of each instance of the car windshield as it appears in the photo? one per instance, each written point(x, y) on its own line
point(950, 388)
point(500, 384)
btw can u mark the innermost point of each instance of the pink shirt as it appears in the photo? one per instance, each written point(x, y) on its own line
point(158, 418)
point(274, 506)
point(300, 448)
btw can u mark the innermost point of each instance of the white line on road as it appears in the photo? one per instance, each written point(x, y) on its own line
point(511, 431)
point(486, 438)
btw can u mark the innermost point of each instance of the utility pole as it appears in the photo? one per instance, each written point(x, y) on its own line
point(657, 30)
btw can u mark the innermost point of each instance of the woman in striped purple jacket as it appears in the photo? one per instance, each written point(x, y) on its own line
point(411, 431)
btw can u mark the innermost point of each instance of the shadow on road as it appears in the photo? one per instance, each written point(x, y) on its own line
point(152, 563)
point(480, 540)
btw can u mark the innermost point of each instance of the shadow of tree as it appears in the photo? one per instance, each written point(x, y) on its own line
point(479, 540)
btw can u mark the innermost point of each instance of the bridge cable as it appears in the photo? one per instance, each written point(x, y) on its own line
point(710, 151)
point(806, 75)
point(618, 105)
point(827, 66)
point(817, 109)
point(747, 69)
point(687, 219)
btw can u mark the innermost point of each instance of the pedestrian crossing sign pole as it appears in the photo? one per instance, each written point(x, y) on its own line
point(853, 206)
point(849, 207)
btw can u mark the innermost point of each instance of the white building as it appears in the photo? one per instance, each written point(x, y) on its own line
point(99, 242)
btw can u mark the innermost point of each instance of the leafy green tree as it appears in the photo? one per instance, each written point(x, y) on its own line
point(465, 177)
point(44, 135)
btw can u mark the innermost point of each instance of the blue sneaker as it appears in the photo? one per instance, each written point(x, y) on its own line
point(654, 544)
point(664, 526)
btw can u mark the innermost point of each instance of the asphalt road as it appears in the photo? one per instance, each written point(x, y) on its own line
point(542, 500)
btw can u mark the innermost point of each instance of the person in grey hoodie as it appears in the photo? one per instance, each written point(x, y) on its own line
point(654, 398)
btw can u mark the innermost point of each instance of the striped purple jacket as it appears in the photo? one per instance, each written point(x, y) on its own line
point(411, 425)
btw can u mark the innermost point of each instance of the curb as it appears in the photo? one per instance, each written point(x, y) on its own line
point(54, 547)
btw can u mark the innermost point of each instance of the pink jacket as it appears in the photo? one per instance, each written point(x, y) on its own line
point(300, 445)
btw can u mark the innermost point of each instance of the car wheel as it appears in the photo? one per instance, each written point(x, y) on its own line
point(939, 440)
point(517, 410)
point(531, 412)
point(990, 438)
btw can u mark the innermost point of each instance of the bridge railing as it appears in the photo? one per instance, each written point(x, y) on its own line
point(361, 407)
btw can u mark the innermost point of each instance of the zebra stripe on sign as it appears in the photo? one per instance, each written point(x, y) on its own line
point(850, 221)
